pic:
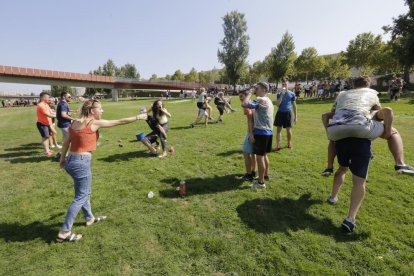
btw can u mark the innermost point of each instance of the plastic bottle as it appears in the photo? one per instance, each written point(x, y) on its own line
point(181, 189)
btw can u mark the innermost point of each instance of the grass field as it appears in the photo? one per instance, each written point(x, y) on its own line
point(222, 227)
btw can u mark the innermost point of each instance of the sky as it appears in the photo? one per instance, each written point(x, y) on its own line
point(161, 36)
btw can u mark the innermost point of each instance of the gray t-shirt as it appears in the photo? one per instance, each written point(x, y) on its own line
point(263, 117)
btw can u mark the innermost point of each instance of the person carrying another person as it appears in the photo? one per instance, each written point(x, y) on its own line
point(222, 104)
point(285, 101)
point(352, 129)
point(365, 103)
point(263, 130)
point(44, 121)
point(53, 136)
point(81, 142)
point(159, 126)
point(204, 109)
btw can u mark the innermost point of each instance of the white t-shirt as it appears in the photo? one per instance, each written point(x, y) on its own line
point(361, 100)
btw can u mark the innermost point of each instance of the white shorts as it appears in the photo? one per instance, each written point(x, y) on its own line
point(202, 113)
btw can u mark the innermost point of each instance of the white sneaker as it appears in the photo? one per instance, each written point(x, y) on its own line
point(52, 147)
point(58, 146)
point(257, 185)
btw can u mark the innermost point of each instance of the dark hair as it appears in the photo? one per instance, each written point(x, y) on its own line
point(362, 82)
point(63, 94)
point(155, 109)
point(244, 91)
point(43, 94)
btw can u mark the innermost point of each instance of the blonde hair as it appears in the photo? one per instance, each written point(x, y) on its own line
point(85, 110)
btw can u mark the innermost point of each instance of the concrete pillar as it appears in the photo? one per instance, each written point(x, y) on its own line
point(114, 95)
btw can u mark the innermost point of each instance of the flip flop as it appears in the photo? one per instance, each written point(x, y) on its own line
point(71, 237)
point(95, 220)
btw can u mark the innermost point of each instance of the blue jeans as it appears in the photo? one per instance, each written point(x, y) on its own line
point(79, 167)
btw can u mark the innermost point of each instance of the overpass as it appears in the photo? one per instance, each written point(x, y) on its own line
point(24, 75)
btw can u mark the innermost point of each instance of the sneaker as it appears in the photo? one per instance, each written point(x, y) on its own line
point(266, 177)
point(257, 185)
point(277, 149)
point(327, 172)
point(404, 169)
point(348, 225)
point(253, 174)
point(59, 146)
point(289, 146)
point(52, 146)
point(332, 201)
point(247, 177)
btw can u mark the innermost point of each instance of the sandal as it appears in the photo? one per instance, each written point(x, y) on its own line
point(95, 220)
point(70, 237)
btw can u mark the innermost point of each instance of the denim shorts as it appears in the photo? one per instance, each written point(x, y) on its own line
point(247, 146)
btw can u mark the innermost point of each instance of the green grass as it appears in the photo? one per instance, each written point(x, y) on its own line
point(221, 227)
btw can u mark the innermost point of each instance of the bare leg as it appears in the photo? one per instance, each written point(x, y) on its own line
point(289, 135)
point(45, 143)
point(261, 167)
point(253, 162)
point(357, 195)
point(278, 136)
point(247, 162)
point(331, 154)
point(339, 178)
point(266, 170)
point(396, 147)
point(149, 146)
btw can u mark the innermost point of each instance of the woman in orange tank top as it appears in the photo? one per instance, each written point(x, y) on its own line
point(81, 142)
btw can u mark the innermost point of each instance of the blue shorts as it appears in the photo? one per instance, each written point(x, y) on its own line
point(247, 146)
point(354, 153)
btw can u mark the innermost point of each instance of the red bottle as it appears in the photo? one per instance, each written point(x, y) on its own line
point(181, 189)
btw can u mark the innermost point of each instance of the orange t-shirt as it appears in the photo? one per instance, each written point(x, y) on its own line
point(83, 140)
point(42, 110)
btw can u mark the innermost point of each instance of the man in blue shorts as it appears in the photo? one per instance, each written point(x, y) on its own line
point(285, 100)
point(263, 130)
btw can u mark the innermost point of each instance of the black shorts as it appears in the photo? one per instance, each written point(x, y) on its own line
point(201, 105)
point(354, 153)
point(220, 108)
point(44, 130)
point(262, 144)
point(283, 119)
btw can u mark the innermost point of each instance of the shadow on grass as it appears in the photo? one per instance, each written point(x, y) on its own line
point(180, 127)
point(126, 156)
point(34, 159)
point(18, 154)
point(198, 186)
point(284, 214)
point(229, 152)
point(25, 147)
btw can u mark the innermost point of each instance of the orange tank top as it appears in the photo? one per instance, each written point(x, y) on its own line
point(83, 140)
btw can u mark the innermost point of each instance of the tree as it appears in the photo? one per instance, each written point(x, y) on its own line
point(128, 71)
point(56, 90)
point(335, 67)
point(154, 77)
point(177, 76)
point(235, 46)
point(309, 62)
point(387, 61)
point(402, 35)
point(282, 58)
point(363, 51)
point(192, 76)
point(109, 68)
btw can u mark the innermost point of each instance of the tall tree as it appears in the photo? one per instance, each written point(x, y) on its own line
point(235, 46)
point(177, 76)
point(402, 34)
point(282, 58)
point(309, 62)
point(109, 68)
point(335, 67)
point(128, 71)
point(363, 51)
point(192, 76)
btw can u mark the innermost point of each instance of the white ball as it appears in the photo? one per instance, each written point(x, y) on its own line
point(150, 195)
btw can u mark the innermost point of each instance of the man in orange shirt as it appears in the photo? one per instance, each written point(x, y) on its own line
point(44, 120)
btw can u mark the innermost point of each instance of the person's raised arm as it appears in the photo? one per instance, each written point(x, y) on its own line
point(166, 112)
point(97, 124)
point(246, 100)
